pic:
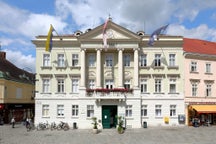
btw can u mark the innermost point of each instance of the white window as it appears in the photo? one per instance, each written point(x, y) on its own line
point(157, 61)
point(208, 89)
point(60, 110)
point(91, 60)
point(45, 110)
point(91, 84)
point(194, 89)
point(127, 84)
point(61, 61)
point(157, 85)
point(19, 93)
point(109, 84)
point(172, 110)
point(158, 110)
point(208, 68)
point(75, 59)
point(193, 66)
point(46, 86)
point(46, 60)
point(60, 85)
point(171, 59)
point(143, 60)
point(144, 110)
point(172, 87)
point(128, 112)
point(109, 60)
point(75, 85)
point(126, 60)
point(90, 110)
point(75, 110)
point(143, 85)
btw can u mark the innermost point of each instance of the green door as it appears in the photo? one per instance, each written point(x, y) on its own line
point(109, 116)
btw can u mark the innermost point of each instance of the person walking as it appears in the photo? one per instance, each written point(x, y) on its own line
point(13, 122)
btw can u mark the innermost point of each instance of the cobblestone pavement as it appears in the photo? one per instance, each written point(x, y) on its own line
point(152, 135)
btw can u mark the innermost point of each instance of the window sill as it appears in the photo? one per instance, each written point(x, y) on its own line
point(61, 117)
point(158, 67)
point(195, 72)
point(45, 116)
point(129, 118)
point(61, 67)
point(74, 117)
point(75, 67)
point(46, 67)
point(175, 93)
point(208, 73)
point(173, 67)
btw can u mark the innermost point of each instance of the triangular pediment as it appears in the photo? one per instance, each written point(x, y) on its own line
point(112, 31)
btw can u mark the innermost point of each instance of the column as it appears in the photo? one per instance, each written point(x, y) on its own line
point(120, 68)
point(83, 69)
point(98, 69)
point(136, 68)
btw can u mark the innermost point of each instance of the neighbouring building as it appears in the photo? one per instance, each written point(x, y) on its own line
point(79, 78)
point(200, 80)
point(16, 92)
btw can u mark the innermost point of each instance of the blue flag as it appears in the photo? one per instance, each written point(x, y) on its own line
point(155, 34)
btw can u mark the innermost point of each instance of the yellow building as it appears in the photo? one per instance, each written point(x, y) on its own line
point(16, 92)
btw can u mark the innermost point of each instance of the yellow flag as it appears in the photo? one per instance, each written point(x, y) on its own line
point(49, 38)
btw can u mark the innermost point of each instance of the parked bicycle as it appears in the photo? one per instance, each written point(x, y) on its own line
point(53, 126)
point(43, 126)
point(63, 125)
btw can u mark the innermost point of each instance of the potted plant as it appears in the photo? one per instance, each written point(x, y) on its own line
point(120, 128)
point(95, 125)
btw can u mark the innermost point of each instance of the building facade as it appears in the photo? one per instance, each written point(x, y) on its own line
point(200, 76)
point(16, 92)
point(81, 77)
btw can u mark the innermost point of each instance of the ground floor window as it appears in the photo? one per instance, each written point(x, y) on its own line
point(75, 110)
point(45, 110)
point(158, 110)
point(128, 112)
point(90, 110)
point(60, 110)
point(144, 110)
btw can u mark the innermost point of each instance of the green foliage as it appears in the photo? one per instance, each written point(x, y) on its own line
point(95, 123)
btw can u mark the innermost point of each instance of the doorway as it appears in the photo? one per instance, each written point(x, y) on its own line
point(109, 113)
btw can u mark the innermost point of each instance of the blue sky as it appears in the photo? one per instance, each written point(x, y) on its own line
point(22, 20)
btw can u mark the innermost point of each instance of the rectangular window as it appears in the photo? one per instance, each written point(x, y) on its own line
point(46, 60)
point(158, 110)
point(91, 60)
point(60, 85)
point(143, 60)
point(109, 60)
point(75, 85)
point(91, 84)
point(127, 84)
point(193, 66)
point(128, 111)
point(172, 86)
point(143, 85)
point(61, 61)
point(157, 61)
point(75, 59)
point(172, 110)
point(144, 110)
point(126, 60)
point(45, 110)
point(60, 110)
point(208, 89)
point(109, 84)
point(46, 86)
point(194, 89)
point(75, 110)
point(19, 93)
point(157, 85)
point(171, 60)
point(90, 110)
point(208, 68)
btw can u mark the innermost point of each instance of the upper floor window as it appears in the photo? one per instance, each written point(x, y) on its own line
point(143, 85)
point(126, 60)
point(193, 67)
point(19, 93)
point(91, 84)
point(208, 89)
point(172, 87)
point(46, 85)
point(208, 68)
point(46, 60)
point(172, 59)
point(60, 86)
point(91, 60)
point(61, 61)
point(158, 85)
point(127, 84)
point(109, 84)
point(143, 60)
point(75, 85)
point(109, 60)
point(194, 89)
point(75, 59)
point(157, 60)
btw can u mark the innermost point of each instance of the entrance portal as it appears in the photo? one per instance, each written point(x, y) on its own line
point(109, 114)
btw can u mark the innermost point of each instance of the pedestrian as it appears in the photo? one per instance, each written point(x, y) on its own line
point(13, 122)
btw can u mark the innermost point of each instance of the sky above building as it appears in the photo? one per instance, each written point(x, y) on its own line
point(22, 20)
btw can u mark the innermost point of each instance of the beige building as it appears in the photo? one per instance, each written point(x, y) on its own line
point(16, 92)
point(81, 77)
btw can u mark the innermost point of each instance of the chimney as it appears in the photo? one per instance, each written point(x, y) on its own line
point(2, 55)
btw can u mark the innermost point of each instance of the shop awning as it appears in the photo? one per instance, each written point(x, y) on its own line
point(205, 108)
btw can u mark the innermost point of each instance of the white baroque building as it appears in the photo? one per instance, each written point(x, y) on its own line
point(79, 79)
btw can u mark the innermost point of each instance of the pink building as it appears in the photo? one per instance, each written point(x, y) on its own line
point(200, 80)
